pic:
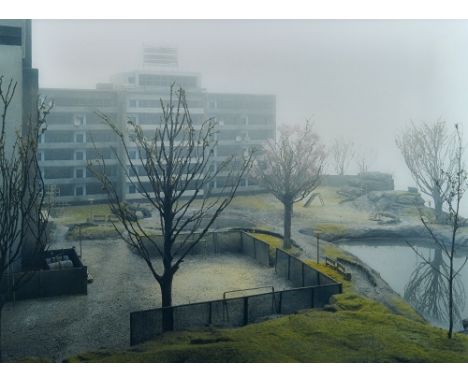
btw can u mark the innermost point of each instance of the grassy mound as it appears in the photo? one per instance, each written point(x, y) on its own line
point(89, 231)
point(351, 329)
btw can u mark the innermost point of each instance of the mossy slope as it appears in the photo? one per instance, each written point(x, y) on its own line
point(351, 329)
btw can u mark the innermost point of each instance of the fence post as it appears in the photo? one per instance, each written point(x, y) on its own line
point(210, 314)
point(302, 271)
point(280, 305)
point(246, 310)
point(132, 330)
point(242, 242)
point(276, 259)
point(255, 247)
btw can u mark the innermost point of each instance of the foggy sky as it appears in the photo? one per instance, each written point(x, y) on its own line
point(364, 80)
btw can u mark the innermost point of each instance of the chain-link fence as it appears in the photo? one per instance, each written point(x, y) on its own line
point(230, 312)
point(312, 289)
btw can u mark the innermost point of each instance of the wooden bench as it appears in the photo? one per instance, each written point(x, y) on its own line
point(98, 218)
point(338, 266)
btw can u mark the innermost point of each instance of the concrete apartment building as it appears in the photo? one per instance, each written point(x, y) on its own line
point(16, 66)
point(75, 134)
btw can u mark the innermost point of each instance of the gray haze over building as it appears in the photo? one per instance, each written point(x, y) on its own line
point(363, 80)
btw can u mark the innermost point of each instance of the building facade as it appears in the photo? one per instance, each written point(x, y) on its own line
point(16, 71)
point(75, 134)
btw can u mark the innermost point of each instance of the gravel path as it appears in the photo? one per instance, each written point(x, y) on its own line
point(59, 327)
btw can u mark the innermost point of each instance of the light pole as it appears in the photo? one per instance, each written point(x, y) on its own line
point(317, 235)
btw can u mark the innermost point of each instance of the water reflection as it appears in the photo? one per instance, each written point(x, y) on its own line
point(418, 281)
point(428, 292)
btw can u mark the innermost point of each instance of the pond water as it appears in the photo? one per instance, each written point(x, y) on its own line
point(417, 278)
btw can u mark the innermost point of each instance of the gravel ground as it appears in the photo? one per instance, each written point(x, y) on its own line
point(60, 327)
point(63, 326)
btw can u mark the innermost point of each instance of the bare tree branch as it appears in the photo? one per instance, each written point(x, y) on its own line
point(290, 169)
point(174, 173)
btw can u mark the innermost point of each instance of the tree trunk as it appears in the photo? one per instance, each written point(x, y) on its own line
point(166, 294)
point(1, 347)
point(288, 210)
point(438, 208)
point(450, 330)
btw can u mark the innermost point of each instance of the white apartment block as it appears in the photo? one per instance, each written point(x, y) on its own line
point(75, 134)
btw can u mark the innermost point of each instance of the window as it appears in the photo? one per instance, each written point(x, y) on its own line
point(261, 134)
point(105, 153)
point(131, 189)
point(93, 119)
point(79, 120)
point(58, 154)
point(212, 104)
point(132, 103)
point(58, 172)
point(149, 118)
point(56, 118)
point(131, 80)
point(79, 173)
point(132, 154)
point(57, 137)
point(132, 118)
point(79, 190)
point(149, 103)
point(79, 155)
point(40, 156)
point(79, 138)
point(102, 136)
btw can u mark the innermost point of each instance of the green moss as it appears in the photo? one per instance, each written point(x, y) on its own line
point(275, 242)
point(336, 229)
point(81, 214)
point(361, 330)
point(260, 202)
point(333, 252)
point(92, 232)
point(358, 329)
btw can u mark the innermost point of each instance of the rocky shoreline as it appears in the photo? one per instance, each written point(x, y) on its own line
point(401, 232)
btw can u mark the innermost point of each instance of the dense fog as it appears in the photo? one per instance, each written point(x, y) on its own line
point(363, 80)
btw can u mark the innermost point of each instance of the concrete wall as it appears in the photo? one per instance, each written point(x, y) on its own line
point(48, 283)
point(337, 180)
point(374, 181)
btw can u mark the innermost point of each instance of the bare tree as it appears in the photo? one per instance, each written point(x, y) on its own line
point(342, 153)
point(428, 151)
point(363, 164)
point(290, 169)
point(363, 158)
point(174, 173)
point(428, 291)
point(23, 218)
point(452, 184)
